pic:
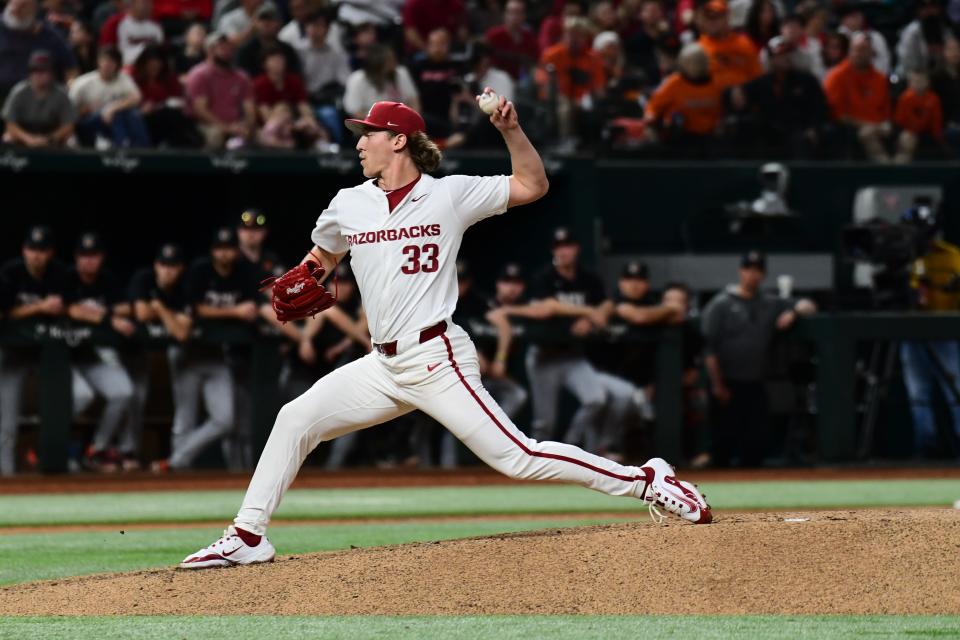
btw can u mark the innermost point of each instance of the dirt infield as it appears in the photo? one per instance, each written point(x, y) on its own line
point(827, 562)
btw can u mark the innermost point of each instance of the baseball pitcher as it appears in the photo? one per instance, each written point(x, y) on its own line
point(403, 229)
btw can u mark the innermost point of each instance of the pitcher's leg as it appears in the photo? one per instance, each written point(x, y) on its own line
point(353, 397)
point(470, 413)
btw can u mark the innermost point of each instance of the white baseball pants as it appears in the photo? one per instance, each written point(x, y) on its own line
point(441, 378)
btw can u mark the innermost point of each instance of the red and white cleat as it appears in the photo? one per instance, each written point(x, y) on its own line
point(680, 498)
point(228, 551)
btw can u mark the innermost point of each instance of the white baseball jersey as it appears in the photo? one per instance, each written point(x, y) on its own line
point(405, 260)
point(405, 264)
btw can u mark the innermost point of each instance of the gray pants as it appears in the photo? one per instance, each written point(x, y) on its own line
point(105, 377)
point(138, 366)
point(237, 446)
point(548, 375)
point(214, 382)
point(626, 404)
point(14, 369)
point(509, 395)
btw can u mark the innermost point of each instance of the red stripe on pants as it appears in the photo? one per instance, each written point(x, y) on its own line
point(517, 442)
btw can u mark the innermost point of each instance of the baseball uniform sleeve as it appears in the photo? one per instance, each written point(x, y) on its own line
point(326, 234)
point(475, 198)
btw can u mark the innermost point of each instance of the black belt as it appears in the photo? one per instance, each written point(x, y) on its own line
point(390, 348)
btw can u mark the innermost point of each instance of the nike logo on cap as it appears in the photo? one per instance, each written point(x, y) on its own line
point(392, 124)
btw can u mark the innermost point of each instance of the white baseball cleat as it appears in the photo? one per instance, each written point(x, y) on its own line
point(228, 551)
point(680, 498)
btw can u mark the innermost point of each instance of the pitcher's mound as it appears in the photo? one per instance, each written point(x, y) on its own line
point(837, 562)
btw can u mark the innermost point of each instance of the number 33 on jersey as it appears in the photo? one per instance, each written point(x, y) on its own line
point(404, 260)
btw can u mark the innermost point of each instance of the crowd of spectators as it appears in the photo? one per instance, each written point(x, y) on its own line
point(682, 78)
point(537, 334)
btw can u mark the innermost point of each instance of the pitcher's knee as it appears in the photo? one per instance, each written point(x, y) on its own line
point(292, 421)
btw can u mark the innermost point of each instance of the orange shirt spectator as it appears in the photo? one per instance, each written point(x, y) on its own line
point(698, 103)
point(920, 113)
point(577, 73)
point(734, 59)
point(862, 95)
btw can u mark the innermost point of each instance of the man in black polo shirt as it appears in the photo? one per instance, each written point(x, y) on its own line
point(220, 289)
point(32, 290)
point(94, 297)
point(739, 325)
point(160, 304)
point(574, 300)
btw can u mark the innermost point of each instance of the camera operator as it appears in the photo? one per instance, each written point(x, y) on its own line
point(935, 282)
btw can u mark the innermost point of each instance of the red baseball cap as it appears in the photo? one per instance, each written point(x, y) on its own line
point(389, 116)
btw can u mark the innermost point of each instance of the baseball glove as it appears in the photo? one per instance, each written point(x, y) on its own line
point(298, 294)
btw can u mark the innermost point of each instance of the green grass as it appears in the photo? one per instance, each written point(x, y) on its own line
point(479, 627)
point(206, 506)
point(26, 557)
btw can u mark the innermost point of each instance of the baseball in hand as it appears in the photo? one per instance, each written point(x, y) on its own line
point(489, 101)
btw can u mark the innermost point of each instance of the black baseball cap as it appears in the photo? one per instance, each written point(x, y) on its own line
point(563, 236)
point(170, 254)
point(510, 272)
point(754, 259)
point(89, 243)
point(38, 237)
point(463, 270)
point(253, 219)
point(635, 270)
point(224, 237)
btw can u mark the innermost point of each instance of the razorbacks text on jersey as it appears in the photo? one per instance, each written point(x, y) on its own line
point(404, 260)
